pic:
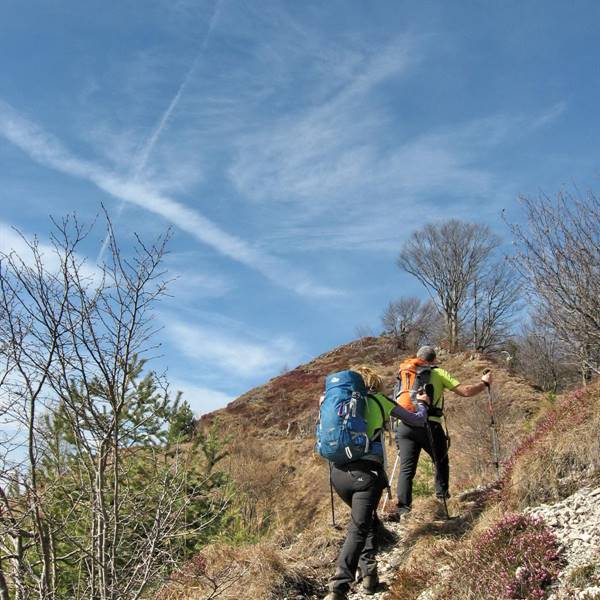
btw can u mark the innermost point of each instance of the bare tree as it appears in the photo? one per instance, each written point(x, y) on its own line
point(98, 508)
point(411, 322)
point(558, 252)
point(447, 259)
point(494, 304)
point(363, 330)
point(543, 358)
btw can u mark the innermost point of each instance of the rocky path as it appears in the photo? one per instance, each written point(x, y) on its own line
point(390, 556)
point(575, 522)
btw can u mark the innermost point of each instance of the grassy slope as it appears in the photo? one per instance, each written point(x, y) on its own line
point(284, 487)
point(485, 547)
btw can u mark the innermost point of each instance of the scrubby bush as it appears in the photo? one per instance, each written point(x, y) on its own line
point(517, 558)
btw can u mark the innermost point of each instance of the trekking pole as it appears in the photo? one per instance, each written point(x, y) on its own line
point(429, 392)
point(332, 506)
point(390, 482)
point(495, 441)
point(385, 465)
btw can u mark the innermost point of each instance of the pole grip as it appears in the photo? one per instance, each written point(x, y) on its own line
point(485, 372)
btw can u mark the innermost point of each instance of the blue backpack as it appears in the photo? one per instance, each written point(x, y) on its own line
point(342, 427)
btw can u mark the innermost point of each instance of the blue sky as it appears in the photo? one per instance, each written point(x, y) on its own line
point(292, 146)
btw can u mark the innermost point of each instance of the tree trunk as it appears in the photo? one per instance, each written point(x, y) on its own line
point(18, 568)
point(3, 585)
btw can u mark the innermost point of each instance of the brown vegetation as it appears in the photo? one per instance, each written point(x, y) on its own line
point(561, 453)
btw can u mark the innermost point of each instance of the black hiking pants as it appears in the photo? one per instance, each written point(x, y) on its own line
point(359, 484)
point(410, 441)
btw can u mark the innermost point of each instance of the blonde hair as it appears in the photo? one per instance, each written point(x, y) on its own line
point(372, 380)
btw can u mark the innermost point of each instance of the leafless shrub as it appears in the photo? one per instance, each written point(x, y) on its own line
point(495, 302)
point(363, 330)
point(411, 322)
point(558, 253)
point(543, 358)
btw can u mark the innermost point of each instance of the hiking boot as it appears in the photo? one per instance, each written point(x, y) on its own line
point(370, 583)
point(401, 512)
point(441, 509)
point(442, 496)
point(336, 596)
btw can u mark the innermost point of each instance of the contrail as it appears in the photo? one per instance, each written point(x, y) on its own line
point(146, 151)
point(162, 123)
point(46, 150)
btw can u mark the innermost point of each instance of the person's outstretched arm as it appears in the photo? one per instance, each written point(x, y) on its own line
point(466, 391)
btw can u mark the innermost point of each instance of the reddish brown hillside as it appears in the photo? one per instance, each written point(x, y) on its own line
point(287, 402)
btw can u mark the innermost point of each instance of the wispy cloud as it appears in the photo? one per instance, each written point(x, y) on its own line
point(18, 242)
point(189, 285)
point(550, 115)
point(48, 151)
point(230, 352)
point(148, 147)
point(349, 150)
point(340, 169)
point(325, 149)
point(200, 398)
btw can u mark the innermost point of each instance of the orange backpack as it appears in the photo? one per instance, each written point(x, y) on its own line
point(413, 374)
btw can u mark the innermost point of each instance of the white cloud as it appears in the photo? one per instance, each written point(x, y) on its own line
point(48, 151)
point(141, 160)
point(326, 150)
point(188, 285)
point(345, 175)
point(225, 352)
point(345, 168)
point(201, 399)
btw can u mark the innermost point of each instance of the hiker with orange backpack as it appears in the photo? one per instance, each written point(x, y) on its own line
point(352, 416)
point(416, 375)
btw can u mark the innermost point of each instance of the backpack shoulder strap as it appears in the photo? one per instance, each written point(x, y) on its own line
point(374, 397)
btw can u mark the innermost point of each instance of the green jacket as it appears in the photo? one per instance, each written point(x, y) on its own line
point(441, 380)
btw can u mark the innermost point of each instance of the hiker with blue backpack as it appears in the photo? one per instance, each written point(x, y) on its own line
point(352, 418)
point(421, 373)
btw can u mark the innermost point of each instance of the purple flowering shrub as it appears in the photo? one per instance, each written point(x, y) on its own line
point(516, 558)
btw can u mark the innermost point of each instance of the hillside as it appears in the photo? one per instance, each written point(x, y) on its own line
point(280, 417)
point(282, 489)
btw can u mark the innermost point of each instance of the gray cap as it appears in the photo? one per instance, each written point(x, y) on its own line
point(426, 353)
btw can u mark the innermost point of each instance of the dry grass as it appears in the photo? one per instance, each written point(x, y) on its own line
point(560, 455)
point(514, 401)
point(257, 571)
point(281, 485)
